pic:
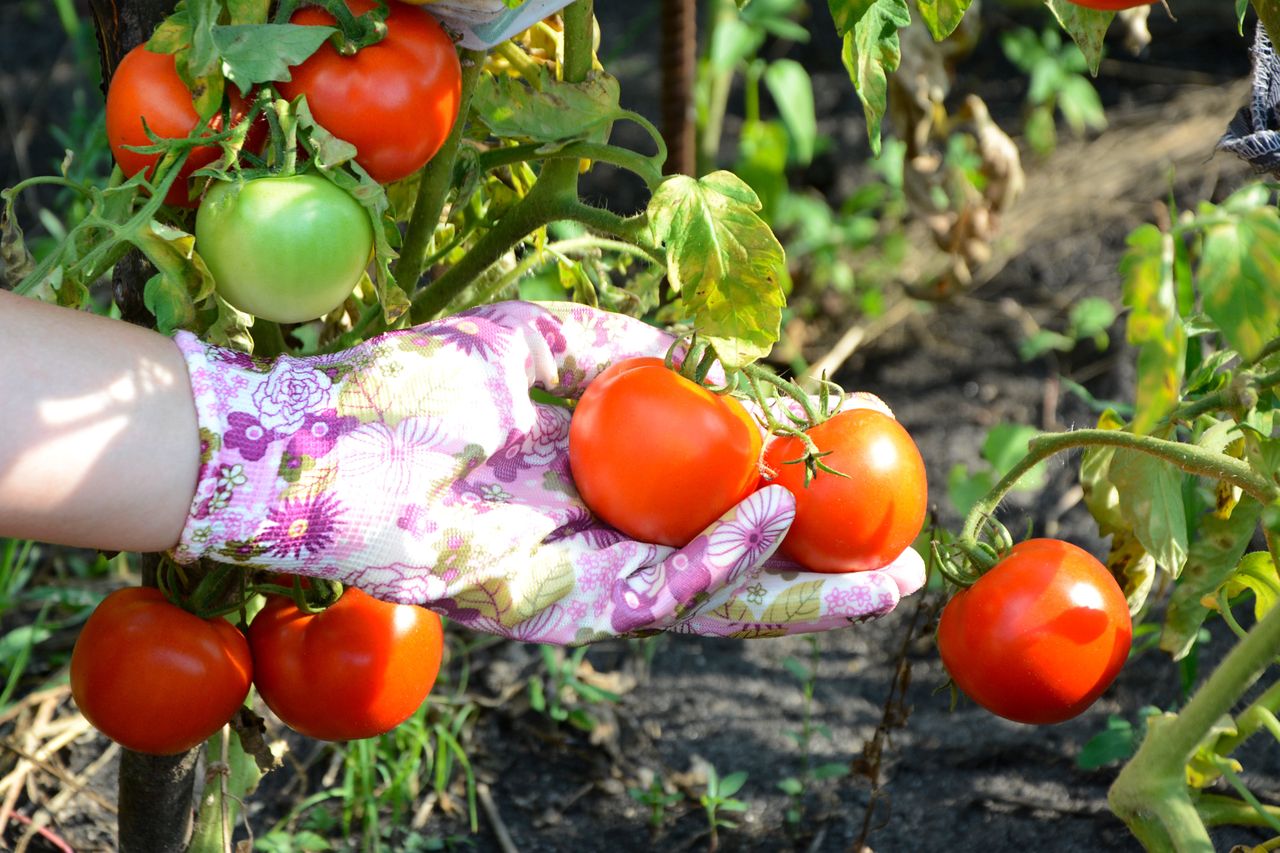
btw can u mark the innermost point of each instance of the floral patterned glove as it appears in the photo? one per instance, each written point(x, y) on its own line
point(416, 467)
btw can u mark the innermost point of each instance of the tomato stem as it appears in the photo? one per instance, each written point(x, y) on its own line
point(436, 181)
point(1150, 794)
point(1186, 457)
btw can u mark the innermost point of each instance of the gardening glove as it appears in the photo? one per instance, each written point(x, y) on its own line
point(416, 467)
point(484, 23)
point(1254, 134)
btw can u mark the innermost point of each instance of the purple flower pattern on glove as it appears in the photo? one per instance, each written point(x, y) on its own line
point(416, 467)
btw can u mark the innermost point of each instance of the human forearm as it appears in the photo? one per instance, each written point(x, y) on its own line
point(98, 439)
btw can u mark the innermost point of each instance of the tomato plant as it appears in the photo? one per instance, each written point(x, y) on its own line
point(146, 88)
point(354, 670)
point(155, 678)
point(658, 456)
point(1038, 637)
point(395, 101)
point(286, 249)
point(862, 520)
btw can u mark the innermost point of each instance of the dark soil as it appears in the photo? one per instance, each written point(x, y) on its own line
point(951, 779)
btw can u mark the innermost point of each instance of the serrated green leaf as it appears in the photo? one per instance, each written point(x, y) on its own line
point(1154, 324)
point(553, 112)
point(258, 53)
point(229, 326)
point(1117, 742)
point(871, 52)
point(1151, 504)
point(1087, 27)
point(173, 33)
point(1256, 573)
point(1239, 278)
point(14, 255)
point(182, 279)
point(724, 260)
point(942, 16)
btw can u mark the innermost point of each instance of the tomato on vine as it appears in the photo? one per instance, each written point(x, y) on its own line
point(396, 101)
point(865, 519)
point(1040, 636)
point(658, 456)
point(155, 678)
point(285, 249)
point(146, 88)
point(354, 670)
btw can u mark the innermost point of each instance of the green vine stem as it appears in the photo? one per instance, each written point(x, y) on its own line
point(1150, 794)
point(436, 181)
point(353, 32)
point(1187, 457)
point(644, 166)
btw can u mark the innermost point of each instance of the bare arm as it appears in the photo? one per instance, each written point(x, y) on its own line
point(98, 439)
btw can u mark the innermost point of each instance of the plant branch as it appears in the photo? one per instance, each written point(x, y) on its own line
point(1150, 794)
point(1187, 457)
point(614, 155)
point(436, 181)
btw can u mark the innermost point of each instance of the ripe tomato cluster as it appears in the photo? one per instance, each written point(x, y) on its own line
point(660, 458)
point(160, 680)
point(291, 248)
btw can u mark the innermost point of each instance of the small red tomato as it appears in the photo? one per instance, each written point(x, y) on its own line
point(659, 457)
point(396, 101)
point(861, 521)
point(146, 86)
point(1040, 636)
point(354, 670)
point(155, 678)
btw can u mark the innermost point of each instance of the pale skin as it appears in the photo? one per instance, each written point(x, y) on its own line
point(99, 446)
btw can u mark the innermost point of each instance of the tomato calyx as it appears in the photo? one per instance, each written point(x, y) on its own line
point(353, 33)
point(965, 560)
point(218, 589)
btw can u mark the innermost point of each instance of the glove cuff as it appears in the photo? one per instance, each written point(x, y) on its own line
point(261, 421)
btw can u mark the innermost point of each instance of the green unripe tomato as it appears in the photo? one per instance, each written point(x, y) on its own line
point(285, 249)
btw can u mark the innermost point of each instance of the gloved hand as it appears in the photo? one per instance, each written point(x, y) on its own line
point(416, 467)
point(484, 23)
point(1254, 133)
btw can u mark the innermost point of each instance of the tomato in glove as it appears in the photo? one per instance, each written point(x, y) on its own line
point(286, 249)
point(1040, 636)
point(155, 678)
point(861, 521)
point(146, 86)
point(659, 457)
point(354, 670)
point(396, 101)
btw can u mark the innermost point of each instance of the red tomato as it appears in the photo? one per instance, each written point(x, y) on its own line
point(1040, 636)
point(355, 670)
point(862, 521)
point(395, 101)
point(146, 85)
point(155, 678)
point(1112, 5)
point(659, 457)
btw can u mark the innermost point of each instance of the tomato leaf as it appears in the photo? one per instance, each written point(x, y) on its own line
point(1238, 274)
point(228, 326)
point(555, 111)
point(871, 52)
point(1154, 325)
point(1087, 27)
point(724, 260)
point(1256, 573)
point(257, 53)
point(14, 255)
point(173, 34)
point(247, 11)
point(182, 279)
point(942, 16)
point(1151, 504)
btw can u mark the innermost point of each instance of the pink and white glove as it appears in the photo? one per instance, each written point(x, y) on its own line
point(415, 467)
